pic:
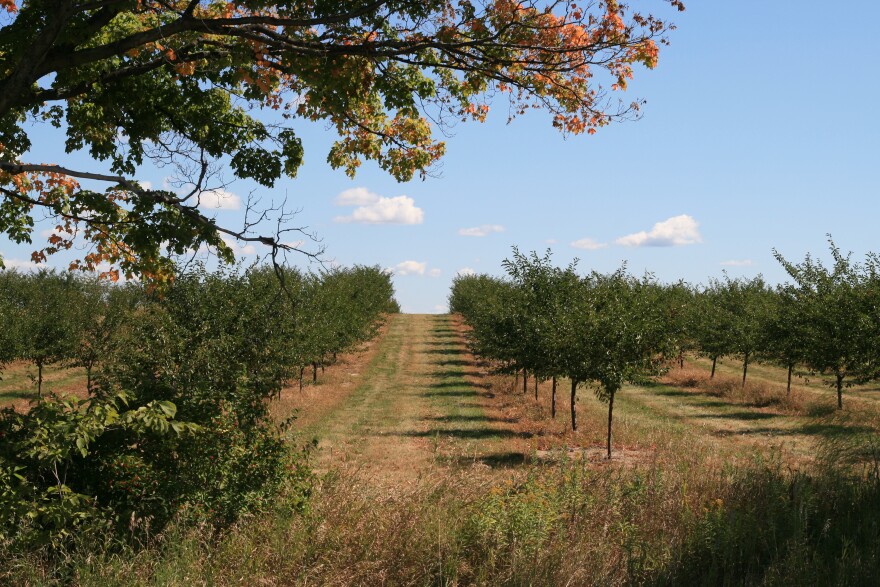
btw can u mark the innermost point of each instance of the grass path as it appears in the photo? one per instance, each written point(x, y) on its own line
point(416, 402)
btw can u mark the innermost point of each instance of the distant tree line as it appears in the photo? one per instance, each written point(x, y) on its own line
point(607, 329)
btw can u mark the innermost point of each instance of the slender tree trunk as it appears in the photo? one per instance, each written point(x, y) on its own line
point(553, 399)
point(745, 368)
point(839, 391)
point(314, 372)
point(89, 379)
point(574, 422)
point(515, 379)
point(322, 366)
point(788, 387)
point(610, 412)
point(714, 360)
point(525, 381)
point(40, 379)
point(536, 388)
point(681, 359)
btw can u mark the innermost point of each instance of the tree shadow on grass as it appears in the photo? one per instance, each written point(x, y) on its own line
point(834, 430)
point(463, 418)
point(445, 351)
point(456, 363)
point(467, 433)
point(738, 416)
point(501, 460)
point(17, 394)
point(440, 343)
point(456, 374)
point(457, 391)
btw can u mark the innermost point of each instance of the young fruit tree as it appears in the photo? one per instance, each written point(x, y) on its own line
point(181, 83)
point(837, 316)
point(629, 327)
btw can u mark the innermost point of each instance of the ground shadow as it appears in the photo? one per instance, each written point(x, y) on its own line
point(463, 418)
point(467, 433)
point(445, 351)
point(457, 391)
point(738, 416)
point(456, 363)
point(439, 343)
point(17, 394)
point(501, 460)
point(456, 374)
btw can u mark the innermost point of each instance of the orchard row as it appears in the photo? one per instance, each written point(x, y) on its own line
point(609, 329)
point(177, 416)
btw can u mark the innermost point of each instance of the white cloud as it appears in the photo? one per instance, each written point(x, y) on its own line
point(23, 265)
point(737, 263)
point(46, 233)
point(442, 309)
point(147, 185)
point(588, 244)
point(356, 197)
point(219, 199)
point(434, 272)
point(675, 231)
point(482, 230)
point(551, 241)
point(410, 268)
point(238, 248)
point(375, 209)
point(466, 271)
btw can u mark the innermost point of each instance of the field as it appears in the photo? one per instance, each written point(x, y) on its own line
point(434, 470)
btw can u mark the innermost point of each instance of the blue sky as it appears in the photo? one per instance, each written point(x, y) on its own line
point(760, 131)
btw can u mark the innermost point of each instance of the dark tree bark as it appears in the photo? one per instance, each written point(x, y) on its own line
point(574, 423)
point(610, 415)
point(40, 379)
point(745, 369)
point(714, 360)
point(525, 381)
point(314, 372)
point(553, 399)
point(536, 388)
point(788, 387)
point(839, 391)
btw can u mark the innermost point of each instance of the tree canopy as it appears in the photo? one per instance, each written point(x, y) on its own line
point(204, 85)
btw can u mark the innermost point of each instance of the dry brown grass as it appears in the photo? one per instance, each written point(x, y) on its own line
point(756, 394)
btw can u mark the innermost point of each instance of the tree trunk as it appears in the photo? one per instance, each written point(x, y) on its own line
point(574, 422)
point(89, 379)
point(714, 360)
point(536, 388)
point(788, 387)
point(610, 412)
point(745, 368)
point(525, 381)
point(839, 391)
point(553, 399)
point(515, 379)
point(314, 372)
point(681, 360)
point(40, 379)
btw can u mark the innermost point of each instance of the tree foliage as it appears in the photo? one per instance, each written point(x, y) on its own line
point(182, 81)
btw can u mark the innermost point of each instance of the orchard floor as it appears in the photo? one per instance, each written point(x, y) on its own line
point(434, 470)
point(415, 401)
